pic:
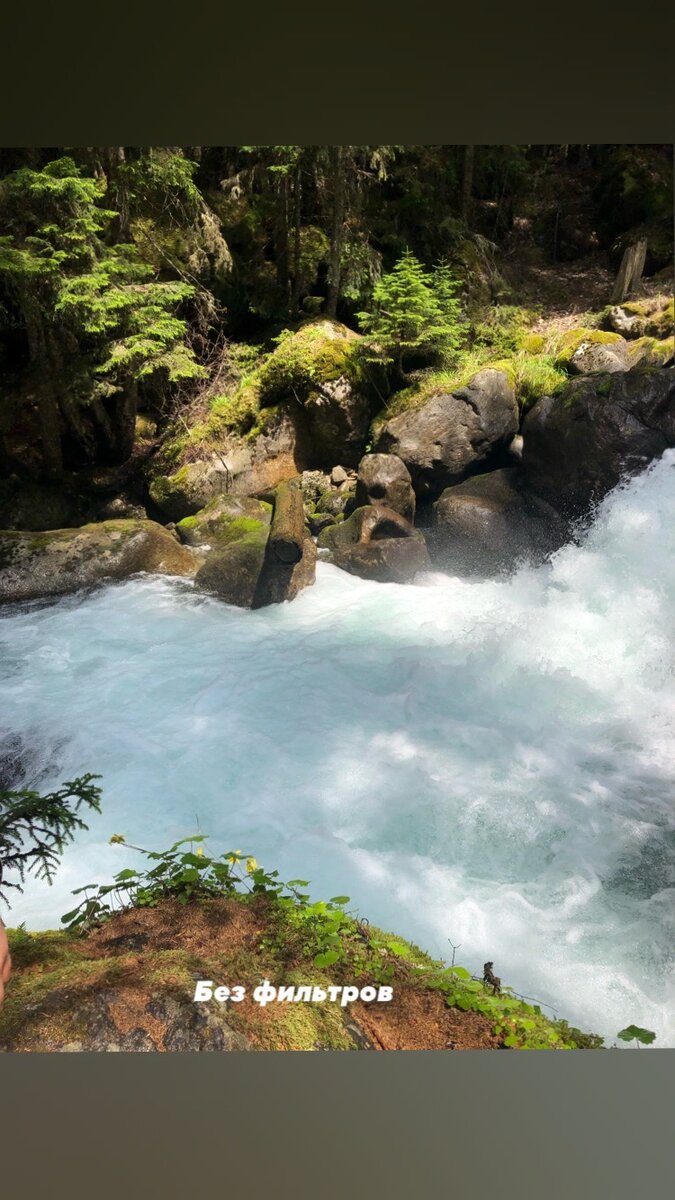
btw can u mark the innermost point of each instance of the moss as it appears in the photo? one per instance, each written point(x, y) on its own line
point(319, 352)
point(240, 527)
point(532, 343)
point(650, 351)
point(531, 377)
point(573, 338)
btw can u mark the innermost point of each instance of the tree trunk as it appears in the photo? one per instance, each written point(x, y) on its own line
point(47, 403)
point(297, 200)
point(124, 428)
point(339, 158)
point(287, 529)
point(281, 239)
point(467, 182)
point(630, 271)
point(114, 157)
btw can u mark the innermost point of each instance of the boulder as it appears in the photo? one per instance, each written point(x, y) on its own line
point(189, 489)
point(232, 570)
point(453, 432)
point(490, 522)
point(651, 316)
point(338, 416)
point(385, 479)
point(118, 508)
point(599, 352)
point(256, 465)
point(55, 562)
point(256, 558)
point(377, 543)
point(580, 442)
point(319, 368)
point(225, 519)
point(337, 501)
point(591, 358)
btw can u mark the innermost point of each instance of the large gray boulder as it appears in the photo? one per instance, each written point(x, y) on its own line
point(385, 479)
point(338, 417)
point(377, 543)
point(59, 561)
point(490, 523)
point(454, 432)
point(580, 442)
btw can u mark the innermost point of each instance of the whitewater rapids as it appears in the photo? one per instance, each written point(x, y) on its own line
point(486, 761)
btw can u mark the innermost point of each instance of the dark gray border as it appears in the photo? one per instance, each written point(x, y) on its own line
point(563, 1125)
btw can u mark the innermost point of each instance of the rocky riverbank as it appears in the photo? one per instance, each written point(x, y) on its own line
point(460, 474)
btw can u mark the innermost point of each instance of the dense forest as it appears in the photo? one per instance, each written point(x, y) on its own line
point(131, 277)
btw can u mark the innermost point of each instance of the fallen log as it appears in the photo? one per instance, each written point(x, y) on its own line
point(287, 530)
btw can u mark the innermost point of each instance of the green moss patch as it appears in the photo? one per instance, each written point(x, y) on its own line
point(570, 342)
point(319, 352)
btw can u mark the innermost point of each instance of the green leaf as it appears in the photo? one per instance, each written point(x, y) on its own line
point(326, 958)
point(69, 916)
point(339, 899)
point(635, 1033)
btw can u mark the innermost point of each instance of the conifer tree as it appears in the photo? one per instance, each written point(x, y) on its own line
point(96, 319)
point(414, 310)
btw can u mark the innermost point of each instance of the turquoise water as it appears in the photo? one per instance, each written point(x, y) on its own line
point(486, 761)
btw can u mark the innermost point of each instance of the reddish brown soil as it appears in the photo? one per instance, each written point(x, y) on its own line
point(420, 1020)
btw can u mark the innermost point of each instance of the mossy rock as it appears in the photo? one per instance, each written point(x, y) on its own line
point(573, 339)
point(188, 490)
point(648, 352)
point(533, 343)
point(225, 519)
point(319, 352)
point(128, 985)
point(60, 561)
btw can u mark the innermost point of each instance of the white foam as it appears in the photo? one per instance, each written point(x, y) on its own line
point(490, 761)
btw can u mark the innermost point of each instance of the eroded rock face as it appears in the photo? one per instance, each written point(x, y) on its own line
point(257, 465)
point(385, 479)
point(56, 562)
point(122, 1019)
point(579, 443)
point(377, 543)
point(489, 523)
point(453, 433)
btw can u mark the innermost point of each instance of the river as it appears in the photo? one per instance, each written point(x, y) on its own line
point(489, 762)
